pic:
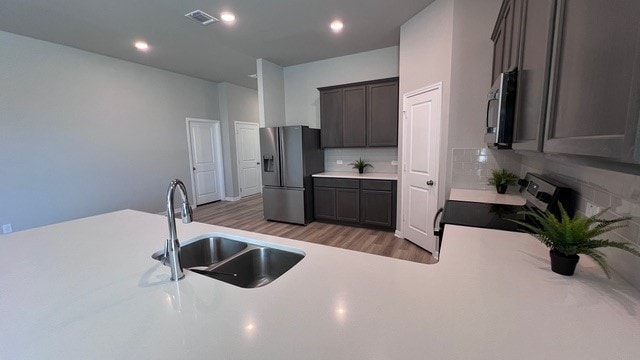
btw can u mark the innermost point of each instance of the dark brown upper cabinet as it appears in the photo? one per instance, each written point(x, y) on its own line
point(354, 125)
point(382, 114)
point(536, 38)
point(362, 114)
point(331, 117)
point(506, 38)
point(594, 92)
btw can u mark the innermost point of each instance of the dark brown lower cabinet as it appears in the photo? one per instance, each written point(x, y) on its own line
point(348, 205)
point(377, 207)
point(370, 203)
point(324, 203)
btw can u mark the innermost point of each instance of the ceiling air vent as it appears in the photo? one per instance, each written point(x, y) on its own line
point(201, 17)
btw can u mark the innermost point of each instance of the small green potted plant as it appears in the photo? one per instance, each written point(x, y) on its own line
point(360, 165)
point(501, 179)
point(569, 236)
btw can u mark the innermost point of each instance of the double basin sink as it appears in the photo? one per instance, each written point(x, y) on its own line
point(235, 262)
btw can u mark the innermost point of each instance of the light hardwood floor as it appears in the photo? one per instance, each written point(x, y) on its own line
point(246, 214)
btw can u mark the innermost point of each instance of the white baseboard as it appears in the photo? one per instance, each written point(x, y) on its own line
point(398, 234)
point(236, 198)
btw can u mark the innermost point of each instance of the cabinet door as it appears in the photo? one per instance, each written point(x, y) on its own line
point(594, 92)
point(382, 114)
point(324, 203)
point(354, 119)
point(533, 73)
point(331, 118)
point(377, 207)
point(506, 37)
point(348, 205)
point(498, 50)
point(515, 25)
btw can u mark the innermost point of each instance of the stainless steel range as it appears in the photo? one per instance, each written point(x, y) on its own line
point(541, 194)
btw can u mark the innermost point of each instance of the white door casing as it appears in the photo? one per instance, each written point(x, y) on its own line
point(205, 160)
point(422, 112)
point(248, 154)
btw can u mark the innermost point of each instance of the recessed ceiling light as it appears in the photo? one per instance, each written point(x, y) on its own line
point(141, 45)
point(227, 16)
point(337, 26)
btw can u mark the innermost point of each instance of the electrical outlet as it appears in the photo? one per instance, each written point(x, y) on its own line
point(591, 209)
point(340, 162)
point(6, 228)
point(394, 162)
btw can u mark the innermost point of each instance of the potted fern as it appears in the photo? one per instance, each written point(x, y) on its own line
point(360, 165)
point(569, 236)
point(501, 179)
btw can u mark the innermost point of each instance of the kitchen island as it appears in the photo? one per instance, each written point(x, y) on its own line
point(89, 289)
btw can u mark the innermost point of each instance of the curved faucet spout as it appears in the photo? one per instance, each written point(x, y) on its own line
point(172, 247)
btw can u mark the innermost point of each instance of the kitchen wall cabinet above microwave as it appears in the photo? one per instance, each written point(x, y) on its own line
point(361, 114)
point(579, 77)
point(506, 38)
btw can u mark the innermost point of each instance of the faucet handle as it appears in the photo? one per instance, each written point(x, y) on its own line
point(187, 213)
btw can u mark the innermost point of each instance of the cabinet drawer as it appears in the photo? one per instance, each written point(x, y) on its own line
point(377, 185)
point(336, 183)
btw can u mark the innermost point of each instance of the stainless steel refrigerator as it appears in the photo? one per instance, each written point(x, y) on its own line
point(290, 155)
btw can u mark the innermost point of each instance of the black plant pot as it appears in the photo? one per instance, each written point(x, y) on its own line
point(563, 264)
point(501, 189)
point(361, 171)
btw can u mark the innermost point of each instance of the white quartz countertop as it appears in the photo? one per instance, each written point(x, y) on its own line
point(487, 196)
point(89, 289)
point(355, 175)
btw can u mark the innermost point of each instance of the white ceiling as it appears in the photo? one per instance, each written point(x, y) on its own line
point(286, 32)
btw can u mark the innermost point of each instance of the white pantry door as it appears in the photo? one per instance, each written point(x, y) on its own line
point(206, 160)
point(248, 153)
point(421, 147)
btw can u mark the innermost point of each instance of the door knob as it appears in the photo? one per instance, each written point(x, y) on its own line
point(194, 168)
point(430, 182)
point(257, 163)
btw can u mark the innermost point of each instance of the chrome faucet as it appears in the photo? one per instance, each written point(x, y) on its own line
point(172, 246)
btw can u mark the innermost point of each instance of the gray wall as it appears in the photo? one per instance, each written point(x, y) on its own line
point(302, 99)
point(270, 94)
point(237, 103)
point(425, 59)
point(83, 134)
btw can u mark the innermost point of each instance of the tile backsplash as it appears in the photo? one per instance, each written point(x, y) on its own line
point(471, 167)
point(384, 160)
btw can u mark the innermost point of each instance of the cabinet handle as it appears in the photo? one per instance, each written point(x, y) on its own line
point(430, 182)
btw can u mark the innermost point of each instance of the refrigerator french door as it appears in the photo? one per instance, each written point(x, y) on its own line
point(290, 155)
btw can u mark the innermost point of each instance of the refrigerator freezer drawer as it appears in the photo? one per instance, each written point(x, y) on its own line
point(286, 205)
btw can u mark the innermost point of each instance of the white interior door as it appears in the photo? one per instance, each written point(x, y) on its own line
point(248, 153)
point(421, 145)
point(205, 154)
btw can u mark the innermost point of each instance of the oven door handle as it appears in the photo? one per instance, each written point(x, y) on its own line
point(436, 229)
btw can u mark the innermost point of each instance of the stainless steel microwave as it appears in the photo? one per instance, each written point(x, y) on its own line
point(501, 110)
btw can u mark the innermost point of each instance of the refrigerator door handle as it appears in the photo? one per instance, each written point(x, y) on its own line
point(283, 156)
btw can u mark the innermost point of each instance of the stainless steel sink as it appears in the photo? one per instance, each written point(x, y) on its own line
point(206, 251)
point(257, 267)
point(209, 251)
point(235, 262)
